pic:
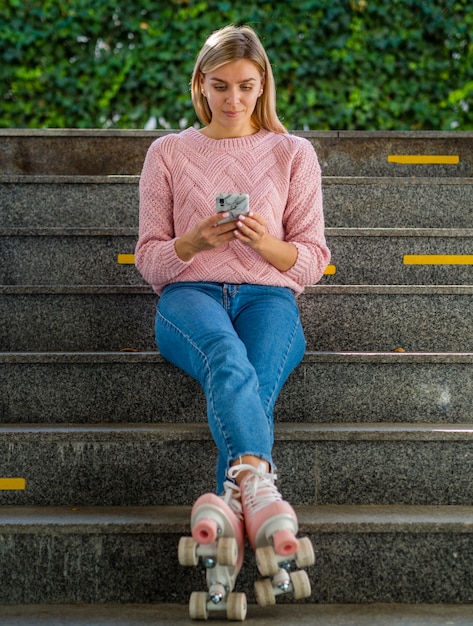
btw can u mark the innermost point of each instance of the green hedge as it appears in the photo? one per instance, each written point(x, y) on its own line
point(339, 64)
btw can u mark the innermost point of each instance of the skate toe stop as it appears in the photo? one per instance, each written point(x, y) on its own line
point(285, 543)
point(205, 531)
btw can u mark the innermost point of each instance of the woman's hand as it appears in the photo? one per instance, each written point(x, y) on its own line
point(251, 230)
point(205, 235)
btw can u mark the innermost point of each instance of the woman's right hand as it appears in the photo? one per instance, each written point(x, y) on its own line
point(206, 235)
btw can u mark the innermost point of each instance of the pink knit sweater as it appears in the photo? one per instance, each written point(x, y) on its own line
point(184, 172)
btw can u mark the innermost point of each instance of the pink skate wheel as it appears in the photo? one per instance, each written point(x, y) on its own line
point(285, 544)
point(205, 530)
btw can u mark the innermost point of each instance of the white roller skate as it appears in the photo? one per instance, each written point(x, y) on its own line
point(218, 538)
point(271, 526)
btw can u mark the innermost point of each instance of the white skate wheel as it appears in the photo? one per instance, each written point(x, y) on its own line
point(227, 551)
point(300, 584)
point(236, 607)
point(305, 555)
point(187, 552)
point(198, 605)
point(264, 592)
point(266, 561)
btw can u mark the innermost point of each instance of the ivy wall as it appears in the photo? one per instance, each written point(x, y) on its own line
point(339, 64)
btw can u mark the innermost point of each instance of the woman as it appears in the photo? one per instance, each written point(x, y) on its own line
point(227, 313)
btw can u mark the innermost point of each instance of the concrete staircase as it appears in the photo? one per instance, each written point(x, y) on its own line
point(108, 444)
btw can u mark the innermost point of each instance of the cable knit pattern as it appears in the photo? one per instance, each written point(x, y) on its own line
point(181, 177)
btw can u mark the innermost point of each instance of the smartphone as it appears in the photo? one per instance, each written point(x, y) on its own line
point(235, 203)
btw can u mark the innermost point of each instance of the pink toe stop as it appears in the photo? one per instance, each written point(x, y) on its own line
point(205, 531)
point(285, 544)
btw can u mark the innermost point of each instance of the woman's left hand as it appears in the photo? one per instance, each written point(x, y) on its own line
point(251, 230)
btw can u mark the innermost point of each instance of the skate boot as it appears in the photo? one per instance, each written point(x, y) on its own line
point(271, 526)
point(218, 539)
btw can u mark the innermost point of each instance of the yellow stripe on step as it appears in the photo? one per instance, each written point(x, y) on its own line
point(422, 159)
point(129, 259)
point(438, 259)
point(126, 259)
point(12, 484)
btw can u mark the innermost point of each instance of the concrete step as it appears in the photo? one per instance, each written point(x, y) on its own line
point(336, 318)
point(97, 318)
point(349, 201)
point(143, 464)
point(341, 153)
point(69, 201)
point(361, 256)
point(400, 256)
point(67, 256)
point(391, 614)
point(372, 318)
point(368, 554)
point(328, 387)
point(397, 202)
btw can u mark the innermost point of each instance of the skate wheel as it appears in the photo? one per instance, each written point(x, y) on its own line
point(300, 584)
point(227, 551)
point(187, 552)
point(305, 555)
point(264, 592)
point(285, 543)
point(198, 605)
point(266, 561)
point(236, 607)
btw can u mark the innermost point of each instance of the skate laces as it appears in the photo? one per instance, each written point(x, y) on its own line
point(260, 489)
point(232, 497)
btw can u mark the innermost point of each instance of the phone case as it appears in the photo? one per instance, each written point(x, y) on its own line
point(235, 203)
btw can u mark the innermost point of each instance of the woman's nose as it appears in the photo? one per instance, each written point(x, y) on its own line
point(233, 96)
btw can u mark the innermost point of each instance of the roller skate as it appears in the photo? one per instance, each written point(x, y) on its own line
point(218, 539)
point(271, 526)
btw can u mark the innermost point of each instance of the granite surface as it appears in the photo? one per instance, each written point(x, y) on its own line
point(363, 555)
point(335, 318)
point(349, 201)
point(419, 319)
point(144, 464)
point(73, 202)
point(341, 153)
point(289, 615)
point(62, 258)
point(372, 446)
point(390, 202)
point(373, 258)
point(361, 256)
point(327, 387)
point(350, 568)
point(79, 319)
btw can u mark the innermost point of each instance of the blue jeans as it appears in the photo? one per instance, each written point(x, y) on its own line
point(240, 342)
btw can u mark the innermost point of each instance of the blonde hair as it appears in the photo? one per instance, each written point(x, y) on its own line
point(233, 43)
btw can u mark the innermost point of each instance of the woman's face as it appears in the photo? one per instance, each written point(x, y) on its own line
point(232, 91)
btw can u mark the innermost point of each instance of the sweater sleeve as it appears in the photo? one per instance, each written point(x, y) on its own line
point(304, 218)
point(155, 254)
